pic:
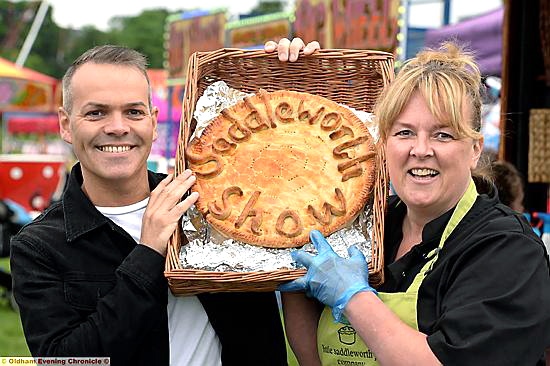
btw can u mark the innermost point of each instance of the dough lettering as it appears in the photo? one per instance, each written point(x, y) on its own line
point(222, 213)
point(293, 216)
point(325, 215)
point(249, 211)
point(285, 162)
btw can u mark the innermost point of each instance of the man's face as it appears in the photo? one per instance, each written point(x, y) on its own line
point(110, 125)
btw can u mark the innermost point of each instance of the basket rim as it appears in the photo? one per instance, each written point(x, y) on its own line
point(173, 270)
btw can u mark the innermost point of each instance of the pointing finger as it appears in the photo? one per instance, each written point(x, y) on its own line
point(319, 242)
point(303, 258)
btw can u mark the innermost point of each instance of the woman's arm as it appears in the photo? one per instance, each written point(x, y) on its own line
point(388, 337)
point(301, 316)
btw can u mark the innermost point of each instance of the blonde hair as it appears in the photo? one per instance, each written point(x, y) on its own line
point(448, 78)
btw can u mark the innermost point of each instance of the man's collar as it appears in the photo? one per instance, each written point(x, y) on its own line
point(81, 216)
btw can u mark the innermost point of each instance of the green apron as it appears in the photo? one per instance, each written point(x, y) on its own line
point(339, 344)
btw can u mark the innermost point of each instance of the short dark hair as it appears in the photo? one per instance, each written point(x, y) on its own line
point(508, 180)
point(105, 54)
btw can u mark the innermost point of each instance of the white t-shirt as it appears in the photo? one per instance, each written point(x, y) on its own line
point(193, 341)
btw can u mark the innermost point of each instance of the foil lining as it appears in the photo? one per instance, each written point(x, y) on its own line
point(215, 98)
point(368, 120)
point(210, 251)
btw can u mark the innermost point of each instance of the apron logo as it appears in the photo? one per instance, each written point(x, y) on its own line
point(347, 335)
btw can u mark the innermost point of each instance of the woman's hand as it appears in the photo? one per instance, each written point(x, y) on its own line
point(331, 279)
point(288, 50)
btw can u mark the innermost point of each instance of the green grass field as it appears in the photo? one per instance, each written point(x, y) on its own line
point(12, 341)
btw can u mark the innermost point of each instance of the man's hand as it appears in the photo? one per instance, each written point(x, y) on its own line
point(288, 51)
point(331, 279)
point(163, 210)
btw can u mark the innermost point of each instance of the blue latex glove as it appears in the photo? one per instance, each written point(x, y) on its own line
point(331, 279)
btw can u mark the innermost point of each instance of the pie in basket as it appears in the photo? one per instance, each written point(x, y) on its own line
point(277, 165)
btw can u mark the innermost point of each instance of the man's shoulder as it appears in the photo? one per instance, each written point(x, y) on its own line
point(48, 225)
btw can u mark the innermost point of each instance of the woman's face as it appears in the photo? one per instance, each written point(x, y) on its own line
point(429, 165)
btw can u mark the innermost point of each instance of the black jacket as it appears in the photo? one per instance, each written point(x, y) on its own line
point(487, 299)
point(85, 288)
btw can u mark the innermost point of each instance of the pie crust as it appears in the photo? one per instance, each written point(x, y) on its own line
point(277, 165)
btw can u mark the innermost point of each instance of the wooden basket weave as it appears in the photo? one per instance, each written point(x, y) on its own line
point(539, 146)
point(353, 77)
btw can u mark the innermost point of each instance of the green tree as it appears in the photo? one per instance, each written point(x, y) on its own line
point(15, 21)
point(43, 55)
point(77, 41)
point(268, 7)
point(144, 32)
point(55, 47)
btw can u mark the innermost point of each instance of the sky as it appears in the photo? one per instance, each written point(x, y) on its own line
point(77, 13)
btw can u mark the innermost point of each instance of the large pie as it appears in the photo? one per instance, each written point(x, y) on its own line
point(277, 165)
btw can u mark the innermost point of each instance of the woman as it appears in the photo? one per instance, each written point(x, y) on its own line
point(466, 280)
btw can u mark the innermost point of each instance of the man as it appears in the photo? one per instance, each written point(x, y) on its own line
point(88, 272)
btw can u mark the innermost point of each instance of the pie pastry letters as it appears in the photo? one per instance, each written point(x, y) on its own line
point(277, 165)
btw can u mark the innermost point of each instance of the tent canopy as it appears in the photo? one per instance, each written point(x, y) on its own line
point(23, 89)
point(481, 34)
point(11, 70)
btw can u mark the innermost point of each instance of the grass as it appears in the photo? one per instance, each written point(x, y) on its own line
point(12, 341)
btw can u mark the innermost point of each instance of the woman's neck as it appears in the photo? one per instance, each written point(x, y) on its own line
point(412, 227)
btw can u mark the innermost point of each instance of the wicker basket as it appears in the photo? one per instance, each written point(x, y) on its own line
point(353, 77)
point(539, 146)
